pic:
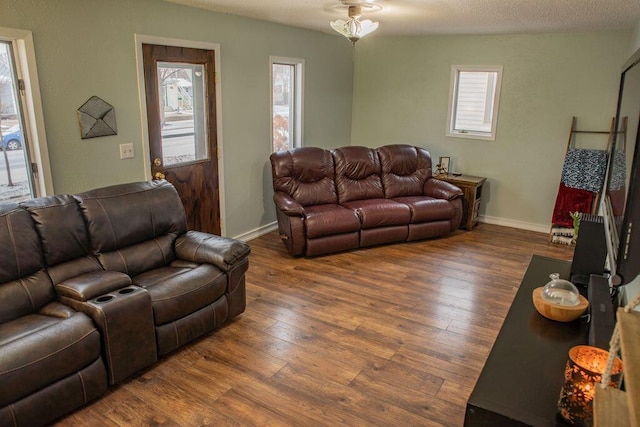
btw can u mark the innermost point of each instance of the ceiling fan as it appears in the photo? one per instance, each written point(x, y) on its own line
point(354, 29)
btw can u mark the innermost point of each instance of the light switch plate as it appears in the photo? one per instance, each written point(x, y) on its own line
point(126, 151)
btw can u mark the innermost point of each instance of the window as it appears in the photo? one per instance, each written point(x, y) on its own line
point(474, 99)
point(286, 102)
point(183, 94)
point(24, 166)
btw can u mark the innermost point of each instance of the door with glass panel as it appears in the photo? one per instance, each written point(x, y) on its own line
point(16, 172)
point(180, 96)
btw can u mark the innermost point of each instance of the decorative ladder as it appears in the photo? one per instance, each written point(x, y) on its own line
point(613, 407)
point(562, 235)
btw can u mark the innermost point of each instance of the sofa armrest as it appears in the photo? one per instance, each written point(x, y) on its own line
point(56, 309)
point(287, 204)
point(92, 284)
point(221, 252)
point(439, 189)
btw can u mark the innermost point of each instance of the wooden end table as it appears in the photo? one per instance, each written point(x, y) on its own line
point(471, 186)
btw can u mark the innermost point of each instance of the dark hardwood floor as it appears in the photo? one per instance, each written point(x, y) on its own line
point(393, 335)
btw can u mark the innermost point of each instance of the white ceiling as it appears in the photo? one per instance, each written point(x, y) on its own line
point(431, 17)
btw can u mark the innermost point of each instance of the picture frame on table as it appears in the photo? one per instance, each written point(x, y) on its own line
point(445, 163)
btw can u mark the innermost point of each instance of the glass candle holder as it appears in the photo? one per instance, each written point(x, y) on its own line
point(582, 374)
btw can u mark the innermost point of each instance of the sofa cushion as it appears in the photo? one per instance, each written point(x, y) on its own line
point(428, 230)
point(379, 235)
point(175, 334)
point(138, 258)
point(25, 295)
point(178, 291)
point(306, 174)
point(426, 209)
point(404, 170)
point(45, 406)
point(36, 350)
point(380, 212)
point(357, 174)
point(24, 286)
point(64, 237)
point(333, 243)
point(62, 229)
point(76, 267)
point(323, 220)
point(21, 250)
point(126, 214)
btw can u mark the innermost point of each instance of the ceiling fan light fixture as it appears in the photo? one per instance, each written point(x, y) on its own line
point(354, 29)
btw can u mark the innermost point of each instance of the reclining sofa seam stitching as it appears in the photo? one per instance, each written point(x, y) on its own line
point(26, 291)
point(113, 231)
point(153, 224)
point(187, 293)
point(13, 415)
point(13, 243)
point(164, 257)
point(107, 343)
point(175, 330)
point(84, 389)
point(213, 313)
point(124, 261)
point(50, 354)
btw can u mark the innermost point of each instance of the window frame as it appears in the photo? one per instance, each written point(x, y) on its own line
point(453, 99)
point(33, 120)
point(296, 140)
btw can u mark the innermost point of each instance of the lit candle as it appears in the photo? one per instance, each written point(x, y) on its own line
point(584, 369)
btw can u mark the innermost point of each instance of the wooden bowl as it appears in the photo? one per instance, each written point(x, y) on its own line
point(557, 312)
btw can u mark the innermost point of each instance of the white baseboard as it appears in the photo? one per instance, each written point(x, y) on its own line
point(541, 228)
point(257, 232)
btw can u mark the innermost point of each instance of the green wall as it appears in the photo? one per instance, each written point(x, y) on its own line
point(395, 92)
point(635, 39)
point(401, 90)
point(86, 47)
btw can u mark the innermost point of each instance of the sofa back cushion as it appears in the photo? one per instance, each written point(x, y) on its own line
point(357, 174)
point(61, 227)
point(405, 169)
point(132, 227)
point(63, 235)
point(24, 286)
point(306, 174)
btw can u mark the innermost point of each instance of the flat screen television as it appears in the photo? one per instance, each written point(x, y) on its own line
point(621, 201)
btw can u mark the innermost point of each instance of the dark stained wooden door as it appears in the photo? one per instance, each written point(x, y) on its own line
point(181, 116)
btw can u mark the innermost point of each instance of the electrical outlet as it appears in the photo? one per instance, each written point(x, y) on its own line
point(126, 151)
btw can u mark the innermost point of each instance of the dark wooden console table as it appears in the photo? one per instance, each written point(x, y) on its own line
point(521, 380)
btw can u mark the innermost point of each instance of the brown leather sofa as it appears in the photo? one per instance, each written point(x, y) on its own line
point(334, 200)
point(96, 286)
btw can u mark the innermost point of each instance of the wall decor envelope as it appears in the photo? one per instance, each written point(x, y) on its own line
point(97, 118)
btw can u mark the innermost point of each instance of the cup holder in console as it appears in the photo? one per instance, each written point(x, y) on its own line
point(115, 294)
point(104, 298)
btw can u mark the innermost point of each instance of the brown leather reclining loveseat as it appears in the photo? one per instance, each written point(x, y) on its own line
point(97, 286)
point(328, 201)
